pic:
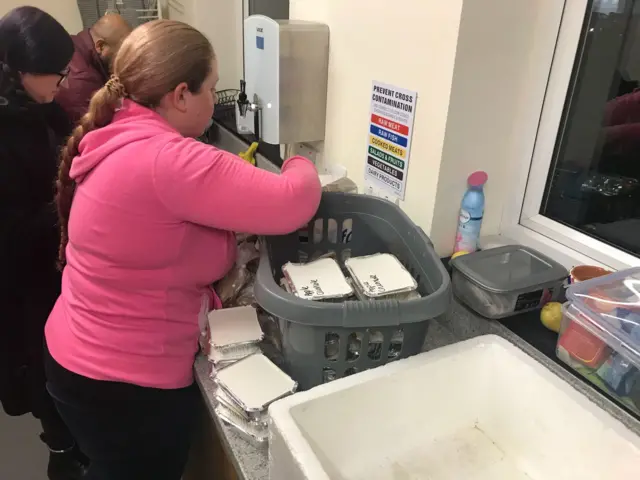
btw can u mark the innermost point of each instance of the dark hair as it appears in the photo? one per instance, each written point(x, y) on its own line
point(32, 41)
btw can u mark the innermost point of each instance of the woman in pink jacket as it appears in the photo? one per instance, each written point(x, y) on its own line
point(147, 215)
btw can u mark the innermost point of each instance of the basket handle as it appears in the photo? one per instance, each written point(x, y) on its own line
point(439, 301)
point(425, 237)
point(381, 313)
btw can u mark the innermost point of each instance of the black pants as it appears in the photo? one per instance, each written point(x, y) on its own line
point(128, 432)
point(56, 434)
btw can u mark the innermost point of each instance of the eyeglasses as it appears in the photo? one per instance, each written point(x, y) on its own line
point(63, 76)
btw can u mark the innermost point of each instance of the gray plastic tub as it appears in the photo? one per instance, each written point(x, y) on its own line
point(505, 281)
point(324, 341)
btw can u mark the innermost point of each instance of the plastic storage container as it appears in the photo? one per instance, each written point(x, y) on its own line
point(507, 280)
point(600, 334)
point(325, 341)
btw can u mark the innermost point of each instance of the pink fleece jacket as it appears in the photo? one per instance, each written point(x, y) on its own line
point(150, 230)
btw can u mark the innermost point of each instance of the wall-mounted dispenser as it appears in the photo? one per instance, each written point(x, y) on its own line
point(285, 86)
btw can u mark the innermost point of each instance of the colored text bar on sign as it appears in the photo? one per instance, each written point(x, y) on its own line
point(390, 124)
point(387, 147)
point(387, 135)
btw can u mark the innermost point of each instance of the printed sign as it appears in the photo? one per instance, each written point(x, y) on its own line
point(390, 130)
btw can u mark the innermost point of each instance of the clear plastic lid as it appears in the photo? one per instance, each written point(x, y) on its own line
point(611, 304)
point(509, 269)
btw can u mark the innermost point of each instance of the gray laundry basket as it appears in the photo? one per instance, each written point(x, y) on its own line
point(324, 341)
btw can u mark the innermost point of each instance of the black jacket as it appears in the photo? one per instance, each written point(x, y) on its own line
point(30, 136)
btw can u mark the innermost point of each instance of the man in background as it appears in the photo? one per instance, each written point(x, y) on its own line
point(89, 70)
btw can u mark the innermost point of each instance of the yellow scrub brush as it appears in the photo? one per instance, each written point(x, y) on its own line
point(248, 155)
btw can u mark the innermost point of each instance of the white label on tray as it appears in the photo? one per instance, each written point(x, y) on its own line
point(231, 326)
point(374, 285)
point(381, 274)
point(313, 289)
point(255, 382)
point(319, 279)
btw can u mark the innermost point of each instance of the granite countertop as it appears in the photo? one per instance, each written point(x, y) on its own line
point(250, 461)
point(460, 324)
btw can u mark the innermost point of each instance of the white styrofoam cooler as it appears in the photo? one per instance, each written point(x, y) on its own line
point(477, 410)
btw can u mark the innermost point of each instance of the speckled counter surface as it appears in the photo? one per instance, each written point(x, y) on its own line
point(250, 462)
point(460, 324)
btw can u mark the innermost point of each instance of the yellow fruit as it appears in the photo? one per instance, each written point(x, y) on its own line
point(458, 254)
point(551, 316)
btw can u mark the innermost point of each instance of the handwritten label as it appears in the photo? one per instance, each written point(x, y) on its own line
point(320, 279)
point(312, 290)
point(374, 285)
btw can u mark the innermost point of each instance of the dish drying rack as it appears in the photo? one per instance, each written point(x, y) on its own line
point(136, 12)
point(225, 111)
point(226, 105)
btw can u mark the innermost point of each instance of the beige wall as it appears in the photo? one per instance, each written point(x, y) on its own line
point(407, 43)
point(503, 59)
point(480, 68)
point(221, 21)
point(65, 11)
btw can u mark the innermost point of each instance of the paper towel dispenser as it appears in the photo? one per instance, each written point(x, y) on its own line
point(285, 85)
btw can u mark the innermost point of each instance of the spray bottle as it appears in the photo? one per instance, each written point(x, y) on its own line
point(471, 213)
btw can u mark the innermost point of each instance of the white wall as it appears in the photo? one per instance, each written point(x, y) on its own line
point(480, 68)
point(406, 43)
point(65, 11)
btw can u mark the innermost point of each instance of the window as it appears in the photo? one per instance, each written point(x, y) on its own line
point(583, 189)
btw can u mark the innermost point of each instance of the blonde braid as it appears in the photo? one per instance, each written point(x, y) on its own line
point(115, 87)
point(100, 113)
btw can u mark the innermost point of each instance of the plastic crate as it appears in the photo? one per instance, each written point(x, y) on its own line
point(324, 341)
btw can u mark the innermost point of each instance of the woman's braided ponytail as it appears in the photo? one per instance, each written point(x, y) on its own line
point(100, 113)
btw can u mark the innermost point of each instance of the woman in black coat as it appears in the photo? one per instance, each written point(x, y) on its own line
point(35, 51)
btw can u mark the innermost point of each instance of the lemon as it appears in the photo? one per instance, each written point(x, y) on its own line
point(551, 316)
point(458, 254)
